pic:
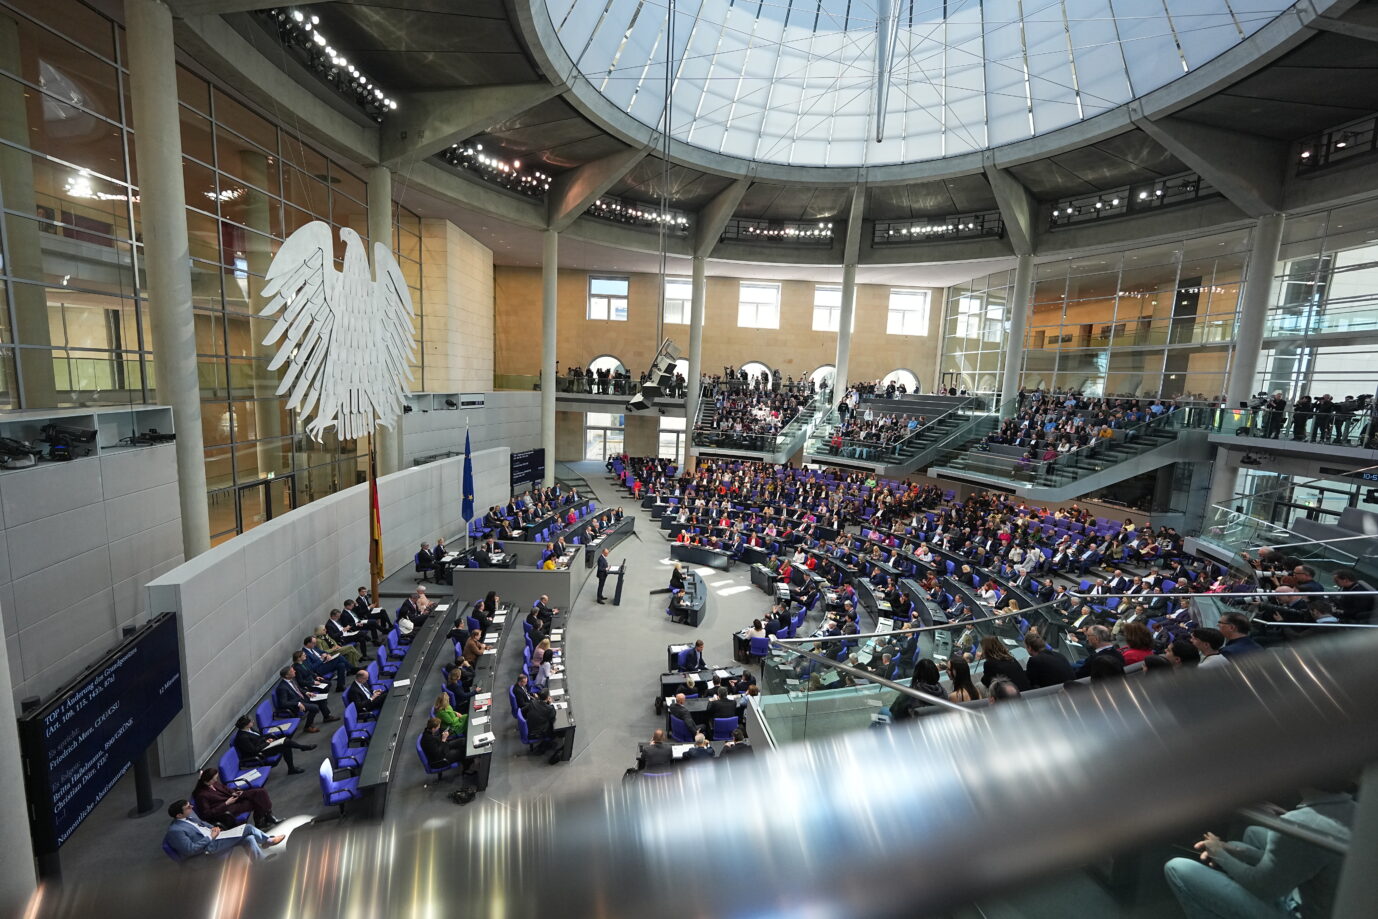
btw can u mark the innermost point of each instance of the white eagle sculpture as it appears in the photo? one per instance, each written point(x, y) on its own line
point(346, 336)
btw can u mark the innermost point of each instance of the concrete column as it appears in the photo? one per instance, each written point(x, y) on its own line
point(380, 231)
point(550, 283)
point(699, 296)
point(1253, 308)
point(1018, 311)
point(16, 868)
point(844, 330)
point(153, 89)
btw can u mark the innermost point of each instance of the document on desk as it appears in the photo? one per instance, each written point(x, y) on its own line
point(479, 720)
point(722, 674)
point(318, 697)
point(885, 625)
point(489, 638)
point(500, 619)
point(398, 684)
point(560, 704)
point(253, 775)
point(557, 634)
point(556, 693)
point(677, 751)
point(484, 739)
point(490, 651)
point(483, 700)
point(442, 607)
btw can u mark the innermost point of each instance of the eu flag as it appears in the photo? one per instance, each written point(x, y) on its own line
point(467, 509)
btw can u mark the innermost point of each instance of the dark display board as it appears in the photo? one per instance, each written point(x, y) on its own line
point(78, 745)
point(528, 467)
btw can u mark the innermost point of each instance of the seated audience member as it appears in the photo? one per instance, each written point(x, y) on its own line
point(756, 631)
point(1182, 653)
point(473, 649)
point(326, 645)
point(289, 701)
point(549, 670)
point(460, 686)
point(544, 611)
point(656, 754)
point(356, 619)
point(1138, 641)
point(1045, 667)
point(459, 632)
point(454, 723)
point(1003, 690)
point(252, 746)
point(925, 680)
point(440, 747)
point(679, 710)
point(694, 660)
point(218, 803)
point(425, 564)
point(190, 836)
point(1235, 627)
point(1209, 642)
point(959, 673)
point(362, 695)
point(540, 726)
point(700, 750)
point(521, 690)
point(542, 651)
point(1098, 640)
point(721, 706)
point(423, 601)
point(1000, 663)
point(1267, 872)
point(738, 745)
point(325, 667)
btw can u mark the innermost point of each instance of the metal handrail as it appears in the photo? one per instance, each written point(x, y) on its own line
point(883, 681)
point(620, 851)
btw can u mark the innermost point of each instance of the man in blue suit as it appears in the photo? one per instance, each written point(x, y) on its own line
point(322, 665)
point(190, 836)
point(290, 702)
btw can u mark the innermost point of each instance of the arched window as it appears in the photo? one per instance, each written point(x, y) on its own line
point(754, 369)
point(823, 376)
point(901, 377)
point(682, 368)
point(605, 362)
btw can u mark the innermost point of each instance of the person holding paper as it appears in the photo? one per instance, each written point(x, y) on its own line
point(364, 697)
point(190, 836)
point(218, 802)
point(252, 746)
point(473, 649)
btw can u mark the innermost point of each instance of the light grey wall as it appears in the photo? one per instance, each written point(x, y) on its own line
point(244, 606)
point(506, 419)
point(78, 543)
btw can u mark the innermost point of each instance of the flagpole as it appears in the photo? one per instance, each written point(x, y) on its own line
point(374, 546)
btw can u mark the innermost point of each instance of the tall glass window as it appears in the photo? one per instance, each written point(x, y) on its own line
point(679, 296)
point(603, 435)
point(908, 313)
point(758, 306)
point(73, 327)
point(827, 309)
point(608, 298)
point(671, 444)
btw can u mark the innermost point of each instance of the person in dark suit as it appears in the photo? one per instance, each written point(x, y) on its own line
point(353, 620)
point(677, 578)
point(522, 691)
point(738, 745)
point(252, 746)
point(722, 706)
point(1098, 640)
point(693, 661)
point(545, 612)
point(327, 666)
point(409, 608)
point(439, 748)
point(603, 566)
point(679, 710)
point(656, 754)
point(363, 696)
point(310, 684)
point(701, 750)
point(290, 702)
point(540, 725)
point(1046, 667)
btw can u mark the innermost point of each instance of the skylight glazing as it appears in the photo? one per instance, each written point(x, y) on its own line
point(873, 82)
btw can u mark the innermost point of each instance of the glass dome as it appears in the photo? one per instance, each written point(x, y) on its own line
point(875, 82)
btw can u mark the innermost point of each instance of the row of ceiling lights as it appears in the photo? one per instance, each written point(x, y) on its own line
point(302, 29)
point(930, 229)
point(821, 231)
point(612, 209)
point(506, 172)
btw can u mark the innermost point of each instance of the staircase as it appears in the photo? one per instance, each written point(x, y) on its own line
point(777, 448)
point(956, 420)
point(1154, 443)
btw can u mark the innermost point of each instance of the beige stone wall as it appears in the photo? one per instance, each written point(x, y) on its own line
point(457, 306)
point(795, 348)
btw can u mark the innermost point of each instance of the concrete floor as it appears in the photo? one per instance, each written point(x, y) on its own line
point(615, 655)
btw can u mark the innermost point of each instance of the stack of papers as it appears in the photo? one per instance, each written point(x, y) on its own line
point(557, 634)
point(556, 693)
point(722, 674)
point(442, 607)
point(484, 739)
point(478, 720)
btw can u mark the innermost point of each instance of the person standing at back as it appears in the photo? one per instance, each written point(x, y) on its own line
point(602, 573)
